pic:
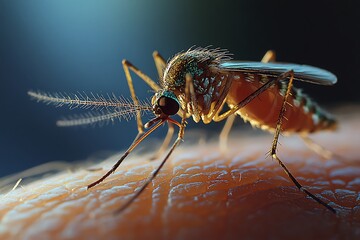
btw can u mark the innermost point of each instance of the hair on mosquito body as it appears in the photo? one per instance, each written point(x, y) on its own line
point(197, 83)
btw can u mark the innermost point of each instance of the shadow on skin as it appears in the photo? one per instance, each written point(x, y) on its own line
point(200, 193)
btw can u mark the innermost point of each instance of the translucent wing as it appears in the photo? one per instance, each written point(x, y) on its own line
point(303, 73)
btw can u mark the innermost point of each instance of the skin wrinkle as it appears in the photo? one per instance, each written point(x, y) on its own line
point(199, 193)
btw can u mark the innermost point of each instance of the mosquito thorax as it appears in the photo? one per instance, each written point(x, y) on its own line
point(165, 103)
point(198, 62)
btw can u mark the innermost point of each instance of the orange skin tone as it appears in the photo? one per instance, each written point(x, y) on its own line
point(201, 193)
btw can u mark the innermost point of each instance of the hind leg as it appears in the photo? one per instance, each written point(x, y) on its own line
point(275, 143)
point(315, 147)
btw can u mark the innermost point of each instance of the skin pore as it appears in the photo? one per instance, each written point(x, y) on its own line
point(200, 193)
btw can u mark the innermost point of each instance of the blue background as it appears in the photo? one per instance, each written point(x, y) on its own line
point(72, 46)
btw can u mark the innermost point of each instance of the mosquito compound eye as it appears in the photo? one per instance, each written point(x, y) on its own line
point(168, 106)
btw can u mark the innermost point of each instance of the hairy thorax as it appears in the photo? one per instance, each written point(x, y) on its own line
point(210, 84)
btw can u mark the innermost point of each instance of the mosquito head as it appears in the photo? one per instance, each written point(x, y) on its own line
point(165, 104)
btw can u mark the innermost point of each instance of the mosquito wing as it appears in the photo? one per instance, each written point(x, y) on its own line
point(303, 73)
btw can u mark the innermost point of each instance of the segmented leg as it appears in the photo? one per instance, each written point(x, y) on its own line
point(136, 142)
point(127, 67)
point(284, 76)
point(165, 143)
point(275, 143)
point(323, 152)
point(252, 96)
point(160, 66)
point(192, 98)
point(290, 75)
point(160, 63)
point(224, 135)
point(141, 134)
point(175, 144)
point(269, 56)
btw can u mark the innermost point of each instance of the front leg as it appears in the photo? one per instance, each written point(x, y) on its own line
point(127, 67)
point(160, 64)
point(275, 143)
point(180, 137)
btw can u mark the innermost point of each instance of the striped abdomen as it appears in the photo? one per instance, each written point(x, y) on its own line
point(302, 114)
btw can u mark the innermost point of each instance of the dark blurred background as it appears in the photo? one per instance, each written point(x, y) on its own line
point(72, 46)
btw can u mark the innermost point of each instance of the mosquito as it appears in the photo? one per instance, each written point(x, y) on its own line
point(197, 83)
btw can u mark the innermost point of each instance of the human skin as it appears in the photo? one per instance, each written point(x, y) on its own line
point(201, 193)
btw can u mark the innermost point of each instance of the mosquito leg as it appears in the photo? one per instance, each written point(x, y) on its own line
point(127, 67)
point(149, 180)
point(282, 113)
point(323, 152)
point(127, 152)
point(224, 135)
point(300, 187)
point(160, 66)
point(175, 144)
point(141, 134)
point(252, 96)
point(189, 97)
point(191, 102)
point(269, 56)
point(160, 63)
point(284, 76)
point(157, 170)
point(275, 142)
point(165, 143)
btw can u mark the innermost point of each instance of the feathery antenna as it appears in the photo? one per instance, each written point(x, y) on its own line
point(106, 109)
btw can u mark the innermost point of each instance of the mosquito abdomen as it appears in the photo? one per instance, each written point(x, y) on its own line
point(302, 114)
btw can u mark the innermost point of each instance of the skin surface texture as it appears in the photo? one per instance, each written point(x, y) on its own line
point(200, 193)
